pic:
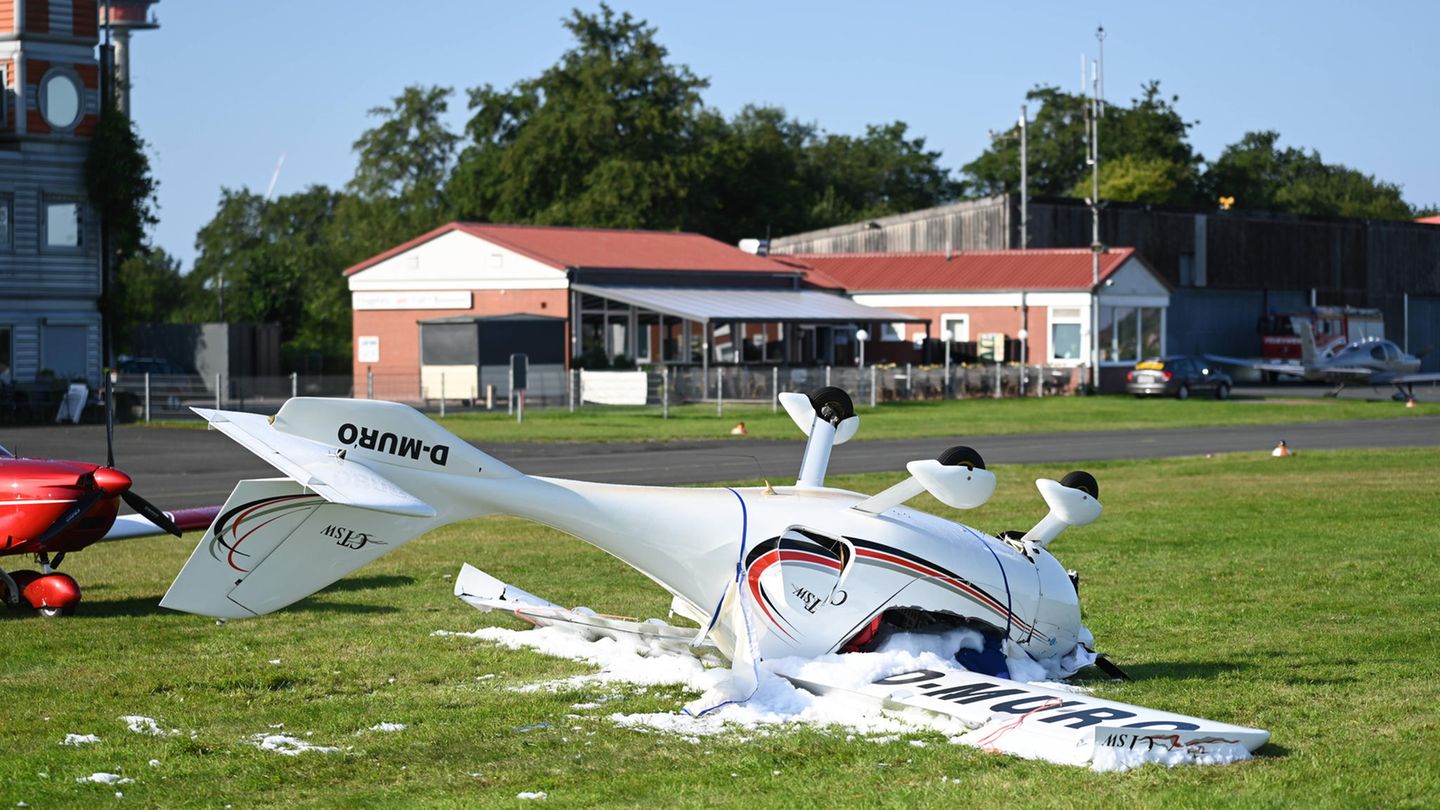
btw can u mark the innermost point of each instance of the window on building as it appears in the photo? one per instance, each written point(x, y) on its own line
point(642, 344)
point(1065, 334)
point(7, 358)
point(7, 222)
point(1128, 334)
point(63, 225)
point(958, 324)
point(63, 351)
point(60, 100)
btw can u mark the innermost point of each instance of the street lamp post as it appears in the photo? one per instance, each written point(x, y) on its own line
point(947, 336)
point(861, 335)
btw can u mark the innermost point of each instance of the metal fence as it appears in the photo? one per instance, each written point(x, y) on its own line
point(150, 397)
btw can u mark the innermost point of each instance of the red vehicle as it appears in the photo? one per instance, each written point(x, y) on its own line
point(1334, 327)
point(52, 507)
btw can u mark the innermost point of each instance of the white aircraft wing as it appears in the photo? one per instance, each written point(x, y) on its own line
point(1279, 368)
point(1414, 378)
point(130, 526)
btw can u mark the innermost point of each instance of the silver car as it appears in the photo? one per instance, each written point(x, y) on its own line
point(1178, 377)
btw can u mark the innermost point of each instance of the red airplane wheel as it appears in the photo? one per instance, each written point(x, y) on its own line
point(52, 594)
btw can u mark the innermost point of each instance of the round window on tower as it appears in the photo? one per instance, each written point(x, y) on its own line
point(60, 100)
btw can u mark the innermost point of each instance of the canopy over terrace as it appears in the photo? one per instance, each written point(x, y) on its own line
point(703, 325)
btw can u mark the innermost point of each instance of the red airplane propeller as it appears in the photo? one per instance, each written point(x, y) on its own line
point(52, 507)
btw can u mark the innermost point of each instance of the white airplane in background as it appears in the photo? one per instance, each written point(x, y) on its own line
point(1373, 361)
point(765, 573)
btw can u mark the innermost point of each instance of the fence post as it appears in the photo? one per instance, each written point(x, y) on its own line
point(442, 394)
point(873, 370)
point(217, 390)
point(664, 392)
point(510, 384)
point(147, 397)
point(570, 389)
point(294, 384)
point(719, 391)
point(999, 381)
point(827, 376)
point(909, 382)
point(369, 382)
point(775, 389)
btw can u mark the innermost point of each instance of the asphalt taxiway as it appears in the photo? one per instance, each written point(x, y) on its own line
point(180, 468)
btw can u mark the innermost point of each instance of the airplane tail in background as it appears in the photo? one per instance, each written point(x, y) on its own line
point(1308, 356)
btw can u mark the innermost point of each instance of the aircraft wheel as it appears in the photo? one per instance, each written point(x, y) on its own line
point(832, 404)
point(55, 612)
point(962, 456)
point(1183, 392)
point(1222, 391)
point(1083, 481)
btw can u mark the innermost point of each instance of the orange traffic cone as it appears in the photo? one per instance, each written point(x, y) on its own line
point(739, 430)
point(1281, 450)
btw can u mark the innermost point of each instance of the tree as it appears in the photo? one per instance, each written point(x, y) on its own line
point(122, 192)
point(148, 289)
point(881, 173)
point(1148, 142)
point(276, 262)
point(1259, 174)
point(610, 136)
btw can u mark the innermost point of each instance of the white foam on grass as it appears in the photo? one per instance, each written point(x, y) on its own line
point(79, 739)
point(141, 724)
point(536, 795)
point(287, 745)
point(389, 727)
point(102, 778)
point(727, 706)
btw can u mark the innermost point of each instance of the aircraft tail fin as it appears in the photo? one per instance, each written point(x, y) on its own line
point(1308, 356)
point(351, 468)
point(276, 542)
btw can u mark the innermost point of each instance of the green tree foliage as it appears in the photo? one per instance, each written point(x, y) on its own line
point(1146, 143)
point(403, 165)
point(147, 290)
point(275, 261)
point(1259, 174)
point(610, 136)
point(614, 135)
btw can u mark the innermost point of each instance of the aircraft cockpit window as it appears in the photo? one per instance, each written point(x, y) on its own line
point(1378, 352)
point(5, 453)
point(1391, 352)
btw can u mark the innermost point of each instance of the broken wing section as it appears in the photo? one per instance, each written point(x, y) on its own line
point(276, 542)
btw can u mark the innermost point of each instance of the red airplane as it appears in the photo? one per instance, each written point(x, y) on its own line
point(49, 508)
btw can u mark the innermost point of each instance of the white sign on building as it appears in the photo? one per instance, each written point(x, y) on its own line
point(368, 349)
point(448, 299)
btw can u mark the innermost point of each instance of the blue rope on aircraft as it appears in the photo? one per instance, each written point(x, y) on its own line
point(1003, 578)
point(739, 563)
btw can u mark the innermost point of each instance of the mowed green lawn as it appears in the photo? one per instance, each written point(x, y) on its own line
point(1297, 595)
point(899, 420)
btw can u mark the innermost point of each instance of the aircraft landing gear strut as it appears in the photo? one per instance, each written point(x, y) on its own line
point(1336, 392)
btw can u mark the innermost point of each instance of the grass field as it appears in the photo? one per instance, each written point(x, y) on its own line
point(1297, 596)
point(899, 420)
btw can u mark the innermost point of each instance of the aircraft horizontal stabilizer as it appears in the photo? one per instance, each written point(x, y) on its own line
point(324, 470)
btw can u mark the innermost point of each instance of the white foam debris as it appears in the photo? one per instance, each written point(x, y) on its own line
point(289, 746)
point(103, 778)
point(274, 660)
point(536, 795)
point(389, 727)
point(727, 706)
point(154, 763)
point(79, 739)
point(141, 724)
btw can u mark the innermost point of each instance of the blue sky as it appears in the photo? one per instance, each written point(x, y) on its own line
point(221, 90)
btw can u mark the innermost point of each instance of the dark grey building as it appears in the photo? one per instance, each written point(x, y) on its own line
point(1228, 268)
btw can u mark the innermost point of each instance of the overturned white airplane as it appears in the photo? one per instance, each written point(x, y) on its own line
point(765, 573)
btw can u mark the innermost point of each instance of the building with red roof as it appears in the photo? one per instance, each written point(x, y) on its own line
point(1038, 301)
point(429, 312)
